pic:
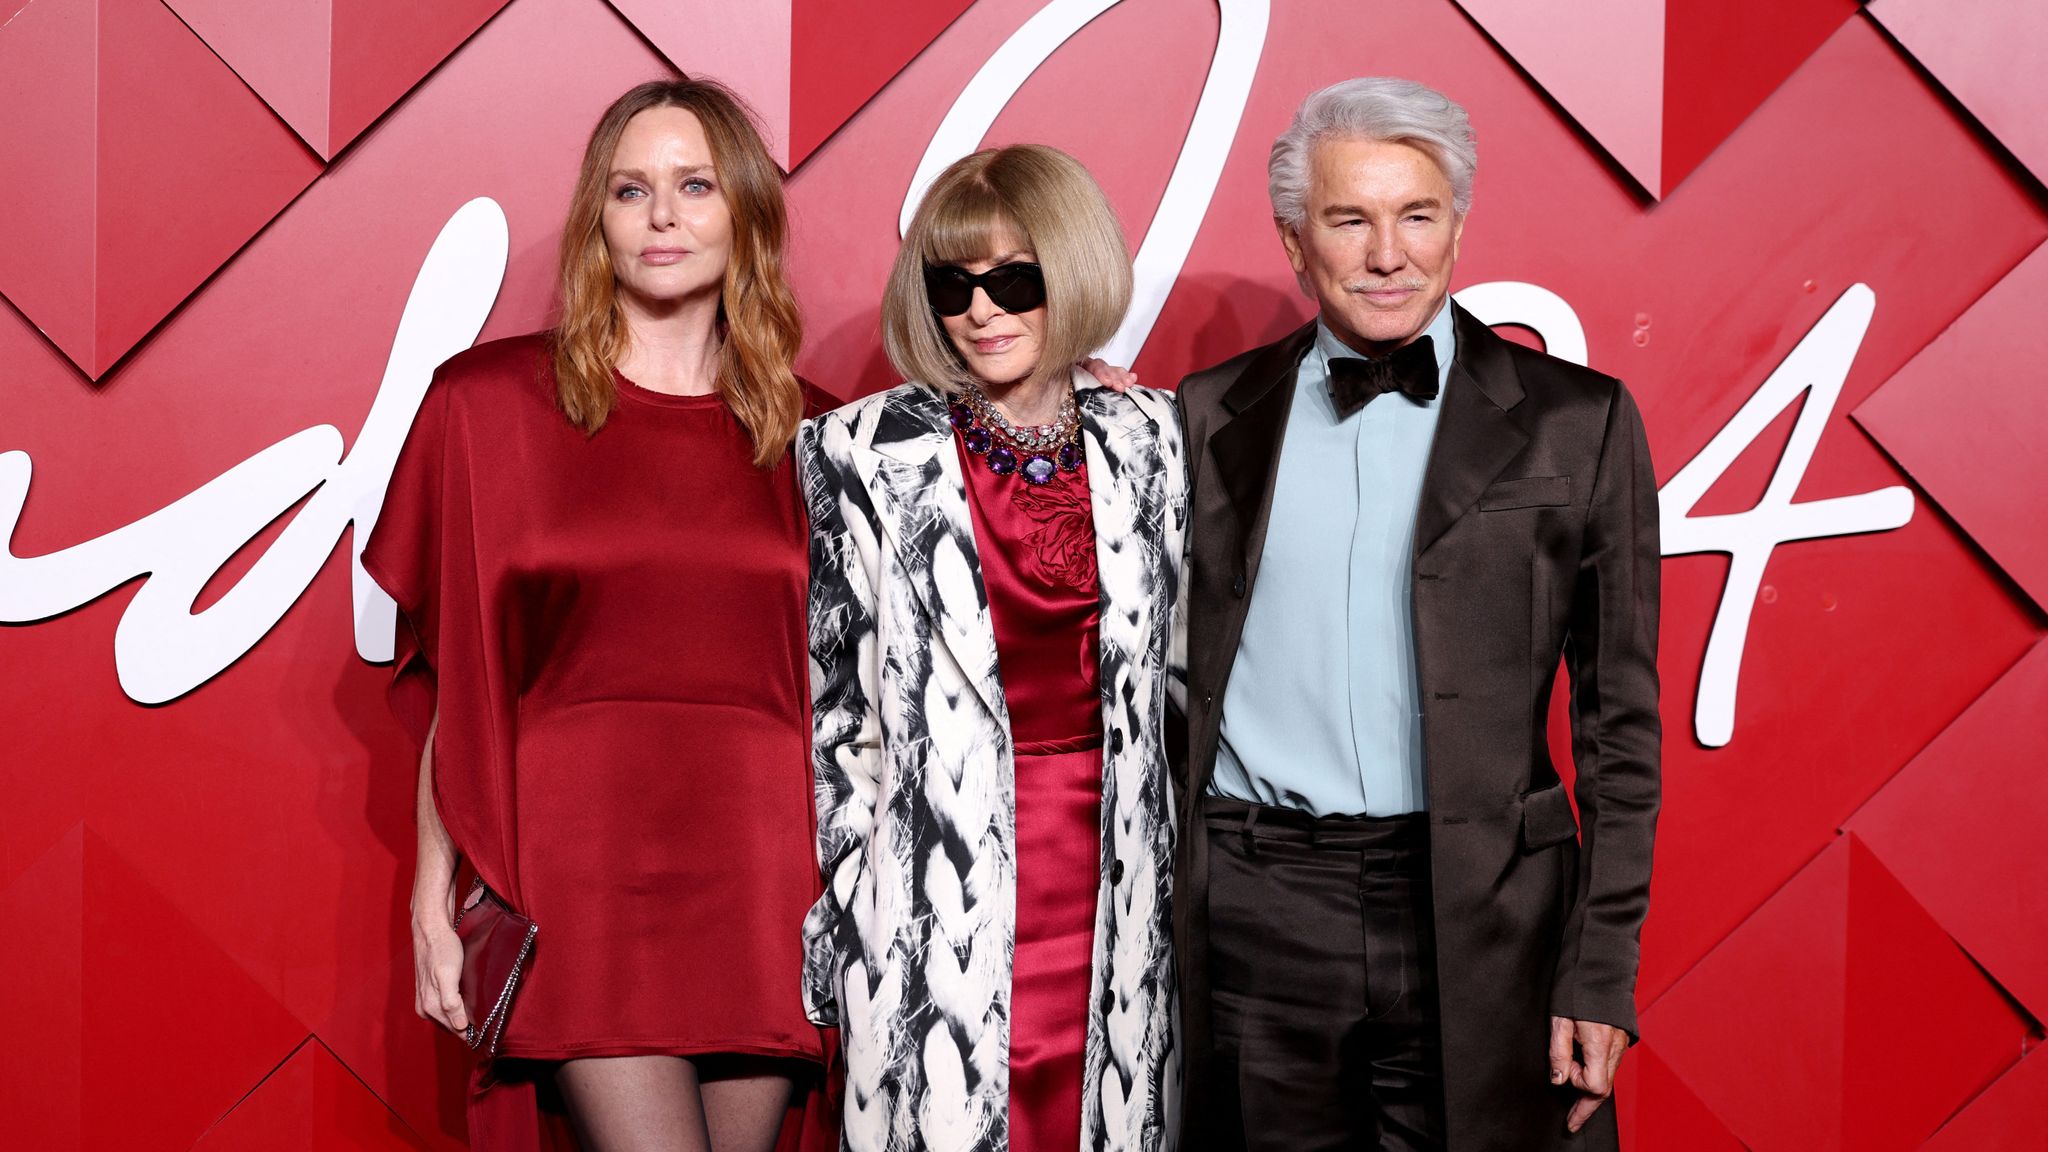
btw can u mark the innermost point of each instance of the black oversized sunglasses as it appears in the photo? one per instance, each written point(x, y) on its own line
point(1011, 287)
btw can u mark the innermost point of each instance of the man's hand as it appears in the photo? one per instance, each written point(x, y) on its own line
point(1112, 377)
point(1599, 1053)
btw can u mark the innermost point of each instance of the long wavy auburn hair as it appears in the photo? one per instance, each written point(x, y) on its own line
point(757, 313)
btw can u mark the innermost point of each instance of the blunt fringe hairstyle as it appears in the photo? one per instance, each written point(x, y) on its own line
point(1373, 108)
point(757, 312)
point(1050, 203)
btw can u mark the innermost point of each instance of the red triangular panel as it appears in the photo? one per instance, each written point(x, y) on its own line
point(280, 50)
point(331, 67)
point(49, 57)
point(156, 985)
point(1777, 976)
point(1659, 83)
point(744, 43)
point(1910, 989)
point(1965, 828)
point(1723, 58)
point(1601, 60)
point(1812, 1026)
point(381, 48)
point(310, 1104)
point(41, 986)
point(2010, 1116)
point(1988, 54)
point(182, 181)
point(1974, 458)
point(1660, 1114)
point(841, 55)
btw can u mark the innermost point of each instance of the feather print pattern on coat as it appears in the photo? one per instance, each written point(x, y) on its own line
point(909, 950)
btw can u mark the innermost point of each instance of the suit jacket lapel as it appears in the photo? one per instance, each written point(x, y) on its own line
point(916, 472)
point(1245, 450)
point(1477, 434)
point(1247, 446)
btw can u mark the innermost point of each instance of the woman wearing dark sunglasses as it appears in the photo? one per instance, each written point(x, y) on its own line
point(996, 556)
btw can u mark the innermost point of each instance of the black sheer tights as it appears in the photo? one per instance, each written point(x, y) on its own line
point(669, 1104)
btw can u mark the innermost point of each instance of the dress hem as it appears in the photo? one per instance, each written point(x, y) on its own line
point(599, 1048)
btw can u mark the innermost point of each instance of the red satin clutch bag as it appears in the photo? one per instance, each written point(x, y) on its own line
point(496, 942)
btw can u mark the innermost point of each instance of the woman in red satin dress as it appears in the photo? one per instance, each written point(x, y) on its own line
point(598, 549)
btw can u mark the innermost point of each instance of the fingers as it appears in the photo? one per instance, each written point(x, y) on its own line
point(1560, 1050)
point(1599, 1056)
point(1582, 1112)
point(437, 977)
point(1109, 375)
point(443, 1005)
point(446, 995)
point(426, 996)
point(1600, 1050)
point(452, 1012)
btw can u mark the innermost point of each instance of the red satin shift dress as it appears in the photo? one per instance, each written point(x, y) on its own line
point(612, 628)
point(1037, 548)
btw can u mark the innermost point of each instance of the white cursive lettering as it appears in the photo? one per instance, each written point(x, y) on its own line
point(1819, 364)
point(1240, 39)
point(162, 649)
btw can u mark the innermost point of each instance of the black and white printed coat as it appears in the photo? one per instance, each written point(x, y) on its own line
point(909, 950)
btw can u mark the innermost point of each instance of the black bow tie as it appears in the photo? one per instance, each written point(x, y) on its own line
point(1409, 370)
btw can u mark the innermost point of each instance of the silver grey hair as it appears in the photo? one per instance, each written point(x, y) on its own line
point(1372, 108)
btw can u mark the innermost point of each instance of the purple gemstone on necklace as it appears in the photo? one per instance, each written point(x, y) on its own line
point(1002, 461)
point(961, 415)
point(1039, 470)
point(1070, 458)
point(976, 439)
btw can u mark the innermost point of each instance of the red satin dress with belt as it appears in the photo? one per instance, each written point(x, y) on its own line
point(1037, 547)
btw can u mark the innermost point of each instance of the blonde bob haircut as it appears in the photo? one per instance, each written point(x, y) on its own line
point(757, 312)
point(1050, 204)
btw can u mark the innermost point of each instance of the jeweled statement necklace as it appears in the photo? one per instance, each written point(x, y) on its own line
point(1036, 451)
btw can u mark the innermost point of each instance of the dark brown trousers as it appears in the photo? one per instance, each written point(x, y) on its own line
point(1322, 971)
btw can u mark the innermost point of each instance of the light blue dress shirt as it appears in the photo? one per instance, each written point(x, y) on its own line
point(1323, 712)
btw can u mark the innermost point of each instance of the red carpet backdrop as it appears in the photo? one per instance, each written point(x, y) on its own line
point(236, 235)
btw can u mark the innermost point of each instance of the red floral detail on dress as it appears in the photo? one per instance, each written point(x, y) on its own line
point(1061, 549)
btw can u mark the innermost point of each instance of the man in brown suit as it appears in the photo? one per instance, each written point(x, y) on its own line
point(1394, 932)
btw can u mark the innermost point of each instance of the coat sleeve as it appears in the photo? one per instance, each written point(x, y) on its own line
point(1611, 651)
point(846, 754)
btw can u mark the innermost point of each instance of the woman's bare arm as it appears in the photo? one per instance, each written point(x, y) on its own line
point(436, 950)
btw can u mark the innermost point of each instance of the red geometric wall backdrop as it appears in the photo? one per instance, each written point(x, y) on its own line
point(1957, 418)
point(330, 67)
point(1660, 83)
point(214, 212)
point(144, 163)
point(805, 65)
point(1988, 55)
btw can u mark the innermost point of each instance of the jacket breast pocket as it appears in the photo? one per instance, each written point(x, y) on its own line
point(1526, 492)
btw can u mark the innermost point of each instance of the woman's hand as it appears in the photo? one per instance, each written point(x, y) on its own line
point(437, 959)
point(1112, 377)
point(436, 949)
